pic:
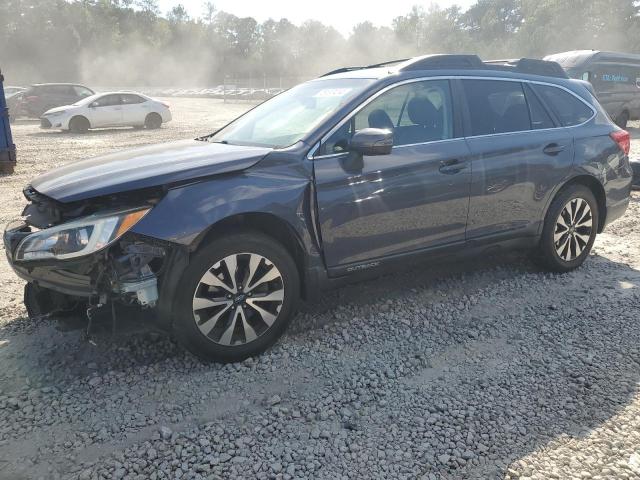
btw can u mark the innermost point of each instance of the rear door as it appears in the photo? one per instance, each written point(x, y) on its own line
point(518, 157)
point(105, 111)
point(134, 109)
point(372, 207)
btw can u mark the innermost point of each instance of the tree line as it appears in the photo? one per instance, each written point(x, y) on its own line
point(130, 43)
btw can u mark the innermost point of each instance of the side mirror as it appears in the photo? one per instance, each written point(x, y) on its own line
point(93, 105)
point(372, 141)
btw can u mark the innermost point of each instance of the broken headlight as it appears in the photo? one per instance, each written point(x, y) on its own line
point(79, 237)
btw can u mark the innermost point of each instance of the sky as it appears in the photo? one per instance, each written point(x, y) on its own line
point(341, 14)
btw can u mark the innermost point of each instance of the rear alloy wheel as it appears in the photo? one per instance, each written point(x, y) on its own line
point(242, 293)
point(574, 227)
point(570, 229)
point(153, 121)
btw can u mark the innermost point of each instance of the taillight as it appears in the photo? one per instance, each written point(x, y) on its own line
point(168, 105)
point(623, 139)
point(31, 99)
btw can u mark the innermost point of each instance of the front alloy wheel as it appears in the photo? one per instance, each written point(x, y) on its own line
point(236, 297)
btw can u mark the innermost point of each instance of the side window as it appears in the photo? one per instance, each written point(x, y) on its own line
point(566, 107)
point(65, 90)
point(417, 112)
point(539, 116)
point(106, 101)
point(48, 90)
point(496, 106)
point(130, 99)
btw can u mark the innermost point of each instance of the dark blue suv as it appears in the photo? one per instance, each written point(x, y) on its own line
point(349, 175)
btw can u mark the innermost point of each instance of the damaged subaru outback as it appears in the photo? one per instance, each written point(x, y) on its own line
point(347, 176)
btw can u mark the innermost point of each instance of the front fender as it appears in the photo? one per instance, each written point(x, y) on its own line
point(187, 212)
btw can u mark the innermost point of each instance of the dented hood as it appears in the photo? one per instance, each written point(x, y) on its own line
point(145, 167)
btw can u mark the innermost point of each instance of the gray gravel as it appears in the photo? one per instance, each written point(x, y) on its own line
point(491, 369)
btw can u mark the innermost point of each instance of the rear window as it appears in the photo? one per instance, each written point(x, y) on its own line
point(496, 106)
point(566, 107)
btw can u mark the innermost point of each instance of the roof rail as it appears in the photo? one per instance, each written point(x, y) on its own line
point(386, 64)
point(433, 62)
point(530, 65)
point(342, 70)
point(375, 65)
point(429, 62)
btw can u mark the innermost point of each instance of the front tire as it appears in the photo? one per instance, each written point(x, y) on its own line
point(570, 229)
point(237, 297)
point(79, 125)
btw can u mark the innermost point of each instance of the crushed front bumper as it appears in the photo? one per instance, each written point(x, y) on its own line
point(125, 271)
point(68, 277)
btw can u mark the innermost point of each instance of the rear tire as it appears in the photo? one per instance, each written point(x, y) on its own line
point(79, 125)
point(623, 120)
point(153, 121)
point(570, 229)
point(222, 318)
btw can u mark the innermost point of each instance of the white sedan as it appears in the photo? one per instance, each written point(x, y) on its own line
point(112, 109)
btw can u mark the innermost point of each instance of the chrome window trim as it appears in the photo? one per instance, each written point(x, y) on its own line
point(353, 112)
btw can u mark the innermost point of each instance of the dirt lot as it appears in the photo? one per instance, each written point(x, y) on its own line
point(490, 369)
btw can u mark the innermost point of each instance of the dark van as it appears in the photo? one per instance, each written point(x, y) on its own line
point(39, 98)
point(615, 78)
point(7, 148)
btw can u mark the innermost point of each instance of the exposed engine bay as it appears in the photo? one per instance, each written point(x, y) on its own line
point(125, 271)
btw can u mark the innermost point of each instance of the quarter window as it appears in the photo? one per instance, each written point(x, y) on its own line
point(496, 106)
point(566, 107)
point(416, 112)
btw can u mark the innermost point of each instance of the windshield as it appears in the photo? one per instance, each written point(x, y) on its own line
point(288, 117)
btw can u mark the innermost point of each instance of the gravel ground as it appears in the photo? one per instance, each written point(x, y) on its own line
point(490, 369)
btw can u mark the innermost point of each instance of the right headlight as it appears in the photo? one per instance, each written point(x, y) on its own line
point(79, 237)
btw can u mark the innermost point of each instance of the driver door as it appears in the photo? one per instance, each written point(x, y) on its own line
point(106, 111)
point(415, 198)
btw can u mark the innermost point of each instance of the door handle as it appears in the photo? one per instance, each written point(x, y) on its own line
point(553, 149)
point(449, 167)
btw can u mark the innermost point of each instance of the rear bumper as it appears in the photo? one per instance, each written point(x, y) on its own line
point(615, 211)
